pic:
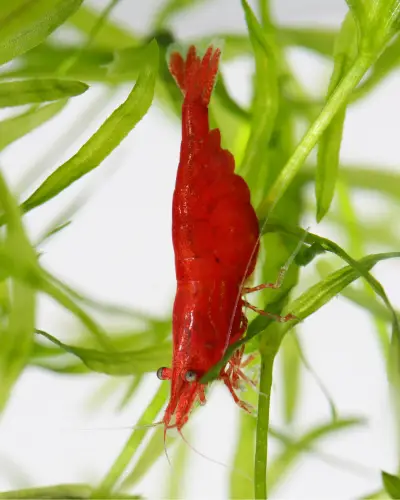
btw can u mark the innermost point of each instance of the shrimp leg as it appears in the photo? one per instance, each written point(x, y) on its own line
point(277, 284)
point(281, 319)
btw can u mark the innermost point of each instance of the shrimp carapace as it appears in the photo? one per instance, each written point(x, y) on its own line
point(215, 236)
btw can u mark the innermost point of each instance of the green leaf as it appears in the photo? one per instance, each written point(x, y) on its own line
point(24, 24)
point(332, 247)
point(119, 363)
point(330, 142)
point(265, 101)
point(181, 462)
point(154, 449)
point(321, 293)
point(16, 340)
point(310, 301)
point(46, 61)
point(16, 337)
point(110, 36)
point(12, 129)
point(320, 41)
point(317, 40)
point(285, 460)
point(61, 492)
point(240, 487)
point(391, 484)
point(388, 60)
point(106, 139)
point(373, 177)
point(291, 376)
point(18, 93)
point(128, 62)
point(133, 443)
point(171, 8)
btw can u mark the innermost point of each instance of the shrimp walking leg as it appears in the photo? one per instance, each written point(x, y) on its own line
point(277, 284)
point(242, 404)
point(281, 319)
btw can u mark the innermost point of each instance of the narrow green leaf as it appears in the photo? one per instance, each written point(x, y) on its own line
point(330, 246)
point(376, 495)
point(133, 443)
point(119, 363)
point(320, 41)
point(291, 376)
point(16, 340)
point(61, 492)
point(317, 40)
point(16, 335)
point(280, 466)
point(335, 103)
point(12, 129)
point(128, 62)
point(330, 142)
point(153, 451)
point(106, 139)
point(321, 293)
point(177, 475)
point(111, 35)
point(227, 101)
point(391, 484)
point(265, 101)
point(243, 458)
point(130, 391)
point(169, 9)
point(373, 178)
point(388, 61)
point(305, 305)
point(24, 24)
point(17, 93)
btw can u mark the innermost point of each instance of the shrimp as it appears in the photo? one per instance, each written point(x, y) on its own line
point(215, 235)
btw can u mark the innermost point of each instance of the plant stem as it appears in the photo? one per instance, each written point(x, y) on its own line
point(336, 101)
point(268, 348)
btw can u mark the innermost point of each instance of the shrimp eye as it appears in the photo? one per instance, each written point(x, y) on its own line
point(190, 376)
point(162, 373)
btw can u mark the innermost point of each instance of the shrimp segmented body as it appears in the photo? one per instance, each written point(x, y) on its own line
point(215, 236)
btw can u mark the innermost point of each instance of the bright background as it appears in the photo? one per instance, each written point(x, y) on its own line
point(49, 432)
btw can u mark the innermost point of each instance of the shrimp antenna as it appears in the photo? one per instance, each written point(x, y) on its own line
point(243, 474)
point(128, 427)
point(165, 445)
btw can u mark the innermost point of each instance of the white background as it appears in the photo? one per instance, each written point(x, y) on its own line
point(48, 431)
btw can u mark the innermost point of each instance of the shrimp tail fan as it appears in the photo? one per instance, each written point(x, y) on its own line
point(195, 75)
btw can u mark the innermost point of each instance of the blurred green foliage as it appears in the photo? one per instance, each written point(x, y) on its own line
point(275, 164)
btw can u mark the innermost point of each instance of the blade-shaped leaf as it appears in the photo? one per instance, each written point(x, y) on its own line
point(308, 303)
point(29, 91)
point(154, 449)
point(134, 441)
point(12, 129)
point(25, 23)
point(391, 484)
point(16, 337)
point(111, 35)
point(60, 491)
point(292, 452)
point(330, 142)
point(106, 139)
point(119, 363)
point(265, 100)
point(321, 293)
point(171, 8)
point(243, 458)
point(291, 375)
